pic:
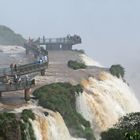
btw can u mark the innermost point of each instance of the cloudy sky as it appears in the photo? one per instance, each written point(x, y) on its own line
point(110, 29)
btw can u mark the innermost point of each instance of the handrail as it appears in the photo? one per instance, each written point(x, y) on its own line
point(24, 69)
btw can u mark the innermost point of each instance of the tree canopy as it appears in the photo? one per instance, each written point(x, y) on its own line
point(127, 128)
point(117, 70)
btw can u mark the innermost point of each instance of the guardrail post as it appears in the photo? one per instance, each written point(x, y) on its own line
point(27, 92)
point(43, 72)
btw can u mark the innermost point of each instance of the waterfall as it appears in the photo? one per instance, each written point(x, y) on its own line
point(89, 61)
point(49, 127)
point(104, 100)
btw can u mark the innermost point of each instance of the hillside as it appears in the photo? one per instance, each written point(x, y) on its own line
point(9, 37)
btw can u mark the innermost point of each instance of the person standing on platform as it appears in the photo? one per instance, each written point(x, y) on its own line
point(11, 67)
point(15, 68)
point(45, 58)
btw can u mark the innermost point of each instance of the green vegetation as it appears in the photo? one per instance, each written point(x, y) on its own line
point(117, 70)
point(9, 37)
point(76, 65)
point(61, 97)
point(25, 125)
point(128, 128)
point(16, 126)
point(27, 114)
point(8, 125)
point(80, 51)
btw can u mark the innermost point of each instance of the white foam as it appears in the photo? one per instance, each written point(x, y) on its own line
point(89, 61)
point(12, 49)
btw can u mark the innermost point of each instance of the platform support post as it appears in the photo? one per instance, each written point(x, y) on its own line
point(27, 92)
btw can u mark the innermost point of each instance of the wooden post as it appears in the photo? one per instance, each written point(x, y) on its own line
point(27, 92)
point(43, 72)
point(0, 94)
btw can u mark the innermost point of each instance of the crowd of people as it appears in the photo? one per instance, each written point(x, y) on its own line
point(42, 59)
point(17, 80)
point(13, 68)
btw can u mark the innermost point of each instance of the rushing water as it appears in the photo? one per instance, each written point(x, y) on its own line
point(49, 127)
point(104, 101)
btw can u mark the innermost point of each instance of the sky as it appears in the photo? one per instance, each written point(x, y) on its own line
point(110, 29)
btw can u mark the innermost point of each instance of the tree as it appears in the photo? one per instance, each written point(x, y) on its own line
point(127, 128)
point(117, 70)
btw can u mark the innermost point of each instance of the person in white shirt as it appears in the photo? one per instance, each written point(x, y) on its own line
point(45, 58)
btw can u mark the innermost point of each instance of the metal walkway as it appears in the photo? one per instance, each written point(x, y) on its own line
point(24, 69)
point(17, 78)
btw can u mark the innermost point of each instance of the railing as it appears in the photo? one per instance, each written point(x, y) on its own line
point(24, 69)
point(30, 68)
point(9, 77)
point(4, 87)
point(65, 40)
point(56, 40)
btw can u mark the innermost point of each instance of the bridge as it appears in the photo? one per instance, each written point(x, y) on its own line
point(64, 43)
point(17, 78)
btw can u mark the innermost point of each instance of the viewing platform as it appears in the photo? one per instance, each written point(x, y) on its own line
point(64, 43)
point(24, 69)
point(18, 77)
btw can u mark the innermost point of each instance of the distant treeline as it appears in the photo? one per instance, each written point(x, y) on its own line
point(9, 37)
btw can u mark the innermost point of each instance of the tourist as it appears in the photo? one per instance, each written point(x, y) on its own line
point(15, 68)
point(45, 58)
point(26, 79)
point(40, 61)
point(7, 82)
point(15, 78)
point(11, 66)
point(19, 80)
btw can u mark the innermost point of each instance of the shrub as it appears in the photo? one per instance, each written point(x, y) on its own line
point(27, 114)
point(8, 125)
point(12, 127)
point(117, 70)
point(80, 51)
point(127, 126)
point(76, 65)
point(26, 126)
